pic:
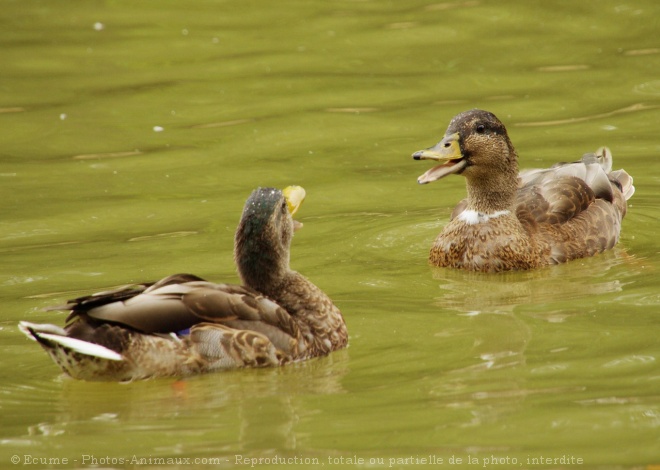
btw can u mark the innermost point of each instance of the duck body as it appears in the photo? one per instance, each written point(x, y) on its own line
point(480, 242)
point(183, 325)
point(526, 220)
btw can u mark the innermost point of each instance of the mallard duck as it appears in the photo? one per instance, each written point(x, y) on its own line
point(517, 221)
point(184, 325)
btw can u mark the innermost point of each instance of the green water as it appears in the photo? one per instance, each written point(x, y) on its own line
point(132, 132)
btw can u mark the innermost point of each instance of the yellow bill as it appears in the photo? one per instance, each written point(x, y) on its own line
point(294, 195)
point(447, 151)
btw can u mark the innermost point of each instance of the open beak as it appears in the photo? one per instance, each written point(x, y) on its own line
point(448, 151)
point(294, 195)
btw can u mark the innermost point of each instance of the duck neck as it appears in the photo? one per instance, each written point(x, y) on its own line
point(261, 268)
point(493, 189)
point(490, 199)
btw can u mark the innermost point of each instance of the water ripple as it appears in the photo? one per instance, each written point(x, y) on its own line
point(628, 109)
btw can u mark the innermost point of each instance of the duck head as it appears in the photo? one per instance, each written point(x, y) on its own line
point(476, 145)
point(263, 239)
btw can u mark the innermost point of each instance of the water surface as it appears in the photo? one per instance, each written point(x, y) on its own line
point(132, 133)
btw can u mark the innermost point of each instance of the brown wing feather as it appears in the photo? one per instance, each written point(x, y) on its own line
point(148, 307)
point(87, 302)
point(223, 303)
point(555, 201)
point(576, 207)
point(562, 192)
point(152, 312)
point(181, 301)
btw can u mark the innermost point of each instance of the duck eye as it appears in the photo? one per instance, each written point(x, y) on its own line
point(481, 128)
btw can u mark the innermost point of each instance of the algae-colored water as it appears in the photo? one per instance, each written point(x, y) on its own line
point(132, 133)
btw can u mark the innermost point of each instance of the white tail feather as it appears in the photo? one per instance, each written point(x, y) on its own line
point(56, 335)
point(26, 326)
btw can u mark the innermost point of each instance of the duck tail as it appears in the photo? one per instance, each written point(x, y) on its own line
point(52, 337)
point(620, 177)
point(604, 158)
point(625, 181)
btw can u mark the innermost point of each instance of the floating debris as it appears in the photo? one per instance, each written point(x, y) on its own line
point(157, 236)
point(563, 68)
point(221, 124)
point(95, 156)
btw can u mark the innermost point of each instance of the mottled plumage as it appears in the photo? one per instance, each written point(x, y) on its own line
point(522, 221)
point(184, 325)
